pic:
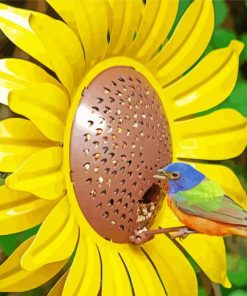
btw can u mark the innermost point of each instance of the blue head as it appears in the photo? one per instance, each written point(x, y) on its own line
point(180, 176)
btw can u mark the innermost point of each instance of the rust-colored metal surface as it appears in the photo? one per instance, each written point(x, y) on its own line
point(119, 139)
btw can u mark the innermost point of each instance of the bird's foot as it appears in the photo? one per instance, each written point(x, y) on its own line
point(182, 233)
point(140, 236)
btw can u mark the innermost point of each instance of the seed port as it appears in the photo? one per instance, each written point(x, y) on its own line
point(123, 217)
point(104, 160)
point(106, 90)
point(103, 192)
point(105, 149)
point(130, 174)
point(122, 170)
point(123, 191)
point(99, 131)
point(87, 137)
point(129, 195)
point(112, 99)
point(96, 143)
point(121, 227)
point(129, 162)
point(110, 202)
point(100, 100)
point(93, 193)
point(86, 166)
point(107, 109)
point(96, 169)
point(116, 191)
point(125, 144)
point(86, 151)
point(122, 182)
point(112, 154)
point(95, 109)
point(99, 205)
point(105, 215)
point(96, 155)
point(118, 93)
point(121, 78)
point(114, 173)
point(90, 123)
point(89, 180)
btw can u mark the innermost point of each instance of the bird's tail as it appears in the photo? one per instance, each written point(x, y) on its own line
point(240, 230)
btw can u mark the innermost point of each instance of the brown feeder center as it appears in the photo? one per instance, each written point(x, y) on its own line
point(120, 137)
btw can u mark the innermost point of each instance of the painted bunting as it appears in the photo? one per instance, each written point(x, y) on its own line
point(199, 203)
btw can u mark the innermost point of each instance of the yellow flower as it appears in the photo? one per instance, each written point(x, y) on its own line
point(75, 162)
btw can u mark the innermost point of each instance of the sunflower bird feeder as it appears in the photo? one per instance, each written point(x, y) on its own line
point(113, 102)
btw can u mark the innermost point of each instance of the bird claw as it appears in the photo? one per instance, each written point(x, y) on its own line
point(139, 237)
point(182, 233)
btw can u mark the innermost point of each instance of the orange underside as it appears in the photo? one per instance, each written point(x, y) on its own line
point(209, 227)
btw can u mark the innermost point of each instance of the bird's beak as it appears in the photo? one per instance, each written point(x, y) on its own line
point(163, 175)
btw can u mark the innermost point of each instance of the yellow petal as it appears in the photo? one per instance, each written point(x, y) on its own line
point(125, 19)
point(92, 24)
point(16, 74)
point(14, 23)
point(158, 18)
point(40, 174)
point(20, 210)
point(16, 279)
point(84, 275)
point(66, 10)
point(175, 271)
point(45, 105)
point(58, 288)
point(226, 178)
point(207, 251)
point(19, 138)
point(188, 42)
point(65, 54)
point(115, 280)
point(142, 273)
point(219, 135)
point(207, 85)
point(55, 240)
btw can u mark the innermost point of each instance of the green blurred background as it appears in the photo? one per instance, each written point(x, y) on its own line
point(230, 23)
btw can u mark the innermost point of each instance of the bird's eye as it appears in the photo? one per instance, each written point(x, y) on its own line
point(175, 175)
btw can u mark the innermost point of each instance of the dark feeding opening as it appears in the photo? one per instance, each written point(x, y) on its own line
point(152, 194)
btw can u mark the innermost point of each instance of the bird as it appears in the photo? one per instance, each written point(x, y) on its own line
point(200, 203)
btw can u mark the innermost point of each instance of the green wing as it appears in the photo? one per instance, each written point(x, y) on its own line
point(208, 200)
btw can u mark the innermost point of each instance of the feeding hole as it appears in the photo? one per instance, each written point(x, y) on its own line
point(151, 194)
point(123, 216)
point(105, 215)
point(110, 202)
point(98, 131)
point(93, 193)
point(100, 100)
point(106, 90)
point(121, 227)
point(86, 166)
point(95, 108)
point(90, 123)
point(96, 156)
point(87, 137)
point(120, 78)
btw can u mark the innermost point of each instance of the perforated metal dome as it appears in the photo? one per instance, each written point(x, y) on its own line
point(120, 137)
